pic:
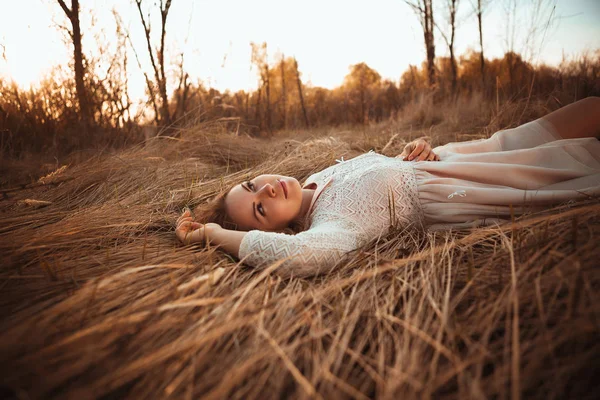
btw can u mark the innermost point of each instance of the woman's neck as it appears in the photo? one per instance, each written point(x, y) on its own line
point(307, 196)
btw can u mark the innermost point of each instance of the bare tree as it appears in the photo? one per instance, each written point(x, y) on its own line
point(424, 11)
point(260, 59)
point(183, 90)
point(267, 82)
point(451, 11)
point(526, 29)
point(283, 92)
point(152, 98)
point(299, 83)
point(510, 9)
point(157, 58)
point(478, 9)
point(75, 33)
point(257, 110)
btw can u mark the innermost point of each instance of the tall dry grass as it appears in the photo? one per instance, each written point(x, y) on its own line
point(98, 299)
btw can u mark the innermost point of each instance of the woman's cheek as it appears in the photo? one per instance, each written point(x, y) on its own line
point(284, 212)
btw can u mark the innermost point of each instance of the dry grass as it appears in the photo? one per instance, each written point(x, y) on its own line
point(98, 299)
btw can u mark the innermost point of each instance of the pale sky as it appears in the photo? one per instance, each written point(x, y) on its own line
point(326, 36)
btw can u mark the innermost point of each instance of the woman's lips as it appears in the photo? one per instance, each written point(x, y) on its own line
point(284, 186)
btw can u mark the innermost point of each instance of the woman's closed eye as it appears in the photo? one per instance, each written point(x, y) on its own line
point(260, 209)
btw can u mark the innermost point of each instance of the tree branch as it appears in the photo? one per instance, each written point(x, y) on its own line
point(137, 58)
point(148, 41)
point(65, 9)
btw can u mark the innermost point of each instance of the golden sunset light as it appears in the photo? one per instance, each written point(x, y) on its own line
point(326, 37)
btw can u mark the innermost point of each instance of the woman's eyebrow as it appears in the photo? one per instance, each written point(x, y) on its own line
point(245, 187)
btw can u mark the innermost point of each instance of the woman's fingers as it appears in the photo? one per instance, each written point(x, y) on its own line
point(196, 236)
point(419, 147)
point(186, 214)
point(183, 230)
point(190, 232)
point(182, 220)
point(406, 151)
point(181, 234)
point(418, 150)
point(424, 154)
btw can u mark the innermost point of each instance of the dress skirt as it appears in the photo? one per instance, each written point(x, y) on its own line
point(529, 168)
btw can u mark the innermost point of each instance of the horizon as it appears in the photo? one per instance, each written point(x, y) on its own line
point(221, 59)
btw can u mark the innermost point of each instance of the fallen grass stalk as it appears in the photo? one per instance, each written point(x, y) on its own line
point(98, 298)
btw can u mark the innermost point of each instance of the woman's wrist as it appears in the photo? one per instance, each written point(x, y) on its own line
point(226, 239)
point(212, 232)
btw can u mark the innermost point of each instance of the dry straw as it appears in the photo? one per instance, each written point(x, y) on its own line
point(98, 298)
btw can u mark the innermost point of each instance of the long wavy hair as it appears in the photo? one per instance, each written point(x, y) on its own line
point(215, 211)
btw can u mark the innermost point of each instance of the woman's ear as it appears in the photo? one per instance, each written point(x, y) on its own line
point(230, 226)
point(287, 231)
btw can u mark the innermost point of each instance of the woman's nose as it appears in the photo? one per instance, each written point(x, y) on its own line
point(269, 190)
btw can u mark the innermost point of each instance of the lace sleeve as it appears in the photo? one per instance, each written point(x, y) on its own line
point(309, 253)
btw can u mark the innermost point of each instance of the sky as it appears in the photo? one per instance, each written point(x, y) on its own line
point(325, 36)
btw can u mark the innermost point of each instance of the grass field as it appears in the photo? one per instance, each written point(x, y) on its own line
point(98, 299)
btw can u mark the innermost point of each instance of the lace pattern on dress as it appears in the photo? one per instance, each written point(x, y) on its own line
point(367, 196)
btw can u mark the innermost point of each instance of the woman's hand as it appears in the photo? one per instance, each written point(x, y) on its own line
point(189, 231)
point(418, 150)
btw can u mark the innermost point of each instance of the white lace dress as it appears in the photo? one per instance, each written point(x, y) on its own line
point(474, 184)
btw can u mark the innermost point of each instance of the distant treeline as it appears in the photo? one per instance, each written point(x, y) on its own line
point(47, 117)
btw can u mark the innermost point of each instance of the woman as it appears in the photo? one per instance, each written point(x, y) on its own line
point(551, 160)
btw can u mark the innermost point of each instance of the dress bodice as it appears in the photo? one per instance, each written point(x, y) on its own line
point(360, 200)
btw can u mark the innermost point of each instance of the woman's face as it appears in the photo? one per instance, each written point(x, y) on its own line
point(267, 203)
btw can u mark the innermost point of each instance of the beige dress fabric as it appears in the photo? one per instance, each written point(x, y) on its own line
point(529, 167)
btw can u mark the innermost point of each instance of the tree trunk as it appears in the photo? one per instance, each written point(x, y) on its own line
point(283, 93)
point(362, 89)
point(158, 64)
point(268, 99)
point(247, 106)
point(162, 83)
point(424, 11)
point(84, 107)
point(511, 71)
point(453, 69)
point(429, 40)
point(300, 94)
point(453, 8)
point(257, 113)
point(481, 58)
point(79, 70)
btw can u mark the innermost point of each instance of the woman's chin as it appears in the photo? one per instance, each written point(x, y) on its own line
point(296, 185)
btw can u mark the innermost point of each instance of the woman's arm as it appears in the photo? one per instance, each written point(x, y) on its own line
point(577, 120)
point(226, 239)
point(305, 254)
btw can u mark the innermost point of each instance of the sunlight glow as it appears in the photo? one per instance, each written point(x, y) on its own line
point(326, 37)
